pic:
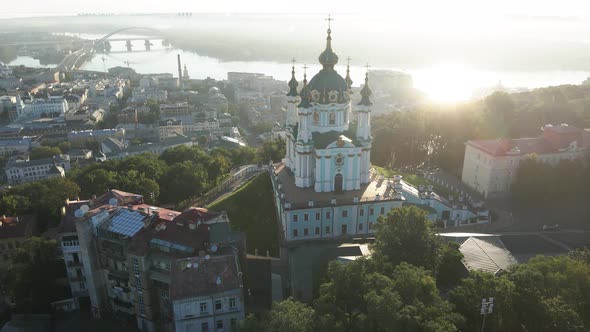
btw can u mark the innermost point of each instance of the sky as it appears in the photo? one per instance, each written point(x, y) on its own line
point(421, 8)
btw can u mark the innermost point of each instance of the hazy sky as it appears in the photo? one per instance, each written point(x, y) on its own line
point(394, 8)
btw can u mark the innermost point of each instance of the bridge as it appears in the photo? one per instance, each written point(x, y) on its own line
point(102, 44)
point(76, 59)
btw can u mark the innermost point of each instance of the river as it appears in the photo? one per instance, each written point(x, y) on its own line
point(444, 81)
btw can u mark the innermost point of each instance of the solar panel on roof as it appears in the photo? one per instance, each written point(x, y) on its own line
point(125, 222)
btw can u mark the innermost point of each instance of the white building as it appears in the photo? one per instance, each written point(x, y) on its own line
point(490, 165)
point(35, 108)
point(80, 138)
point(207, 295)
point(170, 128)
point(17, 145)
point(20, 169)
point(202, 125)
point(141, 95)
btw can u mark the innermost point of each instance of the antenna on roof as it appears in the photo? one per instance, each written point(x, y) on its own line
point(218, 280)
point(189, 265)
point(213, 248)
point(79, 213)
point(207, 257)
point(113, 201)
point(84, 208)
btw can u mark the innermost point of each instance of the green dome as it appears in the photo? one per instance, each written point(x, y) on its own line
point(325, 82)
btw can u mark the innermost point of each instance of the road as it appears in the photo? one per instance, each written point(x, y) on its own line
point(73, 60)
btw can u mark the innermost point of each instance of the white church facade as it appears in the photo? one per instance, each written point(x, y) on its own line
point(325, 186)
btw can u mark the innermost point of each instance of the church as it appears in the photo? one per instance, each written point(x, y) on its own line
point(325, 187)
point(325, 149)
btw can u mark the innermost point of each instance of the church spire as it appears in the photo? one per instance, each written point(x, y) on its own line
point(366, 91)
point(348, 79)
point(293, 82)
point(305, 93)
point(328, 58)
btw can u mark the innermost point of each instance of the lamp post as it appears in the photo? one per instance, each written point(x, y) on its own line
point(487, 306)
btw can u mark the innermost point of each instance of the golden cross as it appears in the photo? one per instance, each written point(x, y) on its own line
point(293, 61)
point(329, 19)
point(348, 60)
point(305, 69)
point(367, 66)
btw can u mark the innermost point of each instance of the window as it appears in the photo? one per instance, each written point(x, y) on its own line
point(370, 225)
point(295, 218)
point(317, 216)
point(327, 229)
point(205, 327)
point(316, 117)
point(328, 215)
point(233, 322)
point(305, 232)
point(360, 227)
point(82, 285)
point(232, 303)
point(361, 212)
point(371, 211)
point(344, 229)
point(382, 210)
point(218, 305)
point(344, 213)
point(332, 118)
point(305, 217)
point(219, 325)
point(317, 231)
point(295, 233)
point(203, 307)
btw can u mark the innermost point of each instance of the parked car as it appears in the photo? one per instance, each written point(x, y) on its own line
point(548, 228)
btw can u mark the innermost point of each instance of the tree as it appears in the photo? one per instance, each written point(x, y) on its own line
point(405, 235)
point(289, 316)
point(64, 147)
point(450, 268)
point(183, 180)
point(14, 204)
point(44, 152)
point(32, 280)
point(467, 296)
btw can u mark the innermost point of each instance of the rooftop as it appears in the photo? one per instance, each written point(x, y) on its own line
point(299, 197)
point(198, 276)
point(552, 140)
point(15, 227)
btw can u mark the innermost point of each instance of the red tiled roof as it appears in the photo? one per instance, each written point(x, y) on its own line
point(203, 277)
point(553, 139)
point(15, 227)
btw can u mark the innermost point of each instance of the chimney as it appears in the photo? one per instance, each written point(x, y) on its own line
point(179, 72)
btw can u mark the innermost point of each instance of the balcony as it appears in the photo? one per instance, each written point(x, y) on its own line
point(77, 278)
point(122, 303)
point(74, 264)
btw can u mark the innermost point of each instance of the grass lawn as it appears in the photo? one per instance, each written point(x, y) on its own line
point(416, 180)
point(251, 210)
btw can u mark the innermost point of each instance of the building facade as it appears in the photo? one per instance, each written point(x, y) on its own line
point(135, 261)
point(34, 108)
point(20, 169)
point(325, 187)
point(490, 166)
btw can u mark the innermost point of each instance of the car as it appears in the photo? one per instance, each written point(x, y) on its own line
point(548, 228)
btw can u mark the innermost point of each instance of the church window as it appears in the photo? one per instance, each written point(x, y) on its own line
point(362, 212)
point(317, 231)
point(360, 227)
point(295, 233)
point(371, 211)
point(305, 217)
point(316, 117)
point(328, 215)
point(295, 218)
point(344, 213)
point(327, 229)
point(339, 161)
point(317, 216)
point(332, 118)
point(305, 232)
point(382, 210)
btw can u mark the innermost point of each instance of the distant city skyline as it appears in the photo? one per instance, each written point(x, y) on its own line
point(419, 9)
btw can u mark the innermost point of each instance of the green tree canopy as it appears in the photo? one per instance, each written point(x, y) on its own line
point(44, 152)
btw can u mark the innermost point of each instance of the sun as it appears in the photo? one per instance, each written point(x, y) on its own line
point(445, 82)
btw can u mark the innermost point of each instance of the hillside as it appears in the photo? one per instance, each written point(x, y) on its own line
point(251, 209)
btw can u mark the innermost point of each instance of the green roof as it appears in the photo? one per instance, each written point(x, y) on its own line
point(322, 140)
